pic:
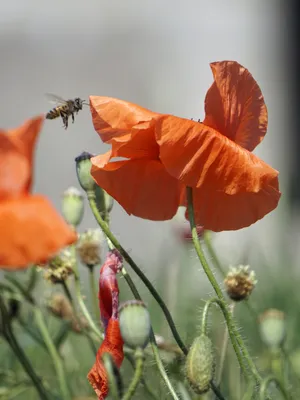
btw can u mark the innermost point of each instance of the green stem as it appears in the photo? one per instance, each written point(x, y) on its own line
point(80, 299)
point(154, 347)
point(265, 384)
point(17, 349)
point(139, 357)
point(213, 255)
point(232, 328)
point(113, 386)
point(223, 351)
point(217, 392)
point(94, 293)
point(53, 353)
point(136, 269)
point(204, 329)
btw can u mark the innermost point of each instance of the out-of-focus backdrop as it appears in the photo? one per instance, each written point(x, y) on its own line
point(153, 53)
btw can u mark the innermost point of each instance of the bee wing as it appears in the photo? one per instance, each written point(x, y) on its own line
point(54, 99)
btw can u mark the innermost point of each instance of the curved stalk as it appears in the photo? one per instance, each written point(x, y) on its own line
point(53, 353)
point(103, 225)
point(265, 384)
point(139, 357)
point(232, 328)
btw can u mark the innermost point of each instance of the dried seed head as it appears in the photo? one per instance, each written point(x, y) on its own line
point(61, 307)
point(272, 327)
point(83, 170)
point(200, 364)
point(59, 267)
point(89, 247)
point(240, 282)
point(135, 324)
point(72, 206)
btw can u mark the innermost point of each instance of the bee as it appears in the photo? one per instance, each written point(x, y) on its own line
point(64, 108)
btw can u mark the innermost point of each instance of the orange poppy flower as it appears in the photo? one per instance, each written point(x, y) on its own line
point(30, 229)
point(232, 188)
point(113, 342)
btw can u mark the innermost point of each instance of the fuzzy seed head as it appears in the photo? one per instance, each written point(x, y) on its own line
point(89, 247)
point(59, 267)
point(240, 282)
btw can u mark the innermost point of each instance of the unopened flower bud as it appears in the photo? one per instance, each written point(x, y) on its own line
point(59, 267)
point(135, 324)
point(272, 327)
point(72, 206)
point(89, 247)
point(240, 282)
point(83, 170)
point(200, 364)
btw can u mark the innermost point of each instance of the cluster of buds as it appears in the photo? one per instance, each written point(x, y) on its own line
point(59, 267)
point(240, 282)
point(89, 247)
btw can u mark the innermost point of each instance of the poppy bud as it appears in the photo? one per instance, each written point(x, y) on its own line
point(89, 247)
point(83, 170)
point(59, 267)
point(135, 324)
point(72, 206)
point(200, 364)
point(272, 327)
point(240, 282)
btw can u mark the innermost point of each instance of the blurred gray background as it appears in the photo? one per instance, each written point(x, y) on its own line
point(154, 53)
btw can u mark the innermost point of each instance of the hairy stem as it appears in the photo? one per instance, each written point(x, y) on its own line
point(232, 328)
point(93, 290)
point(139, 357)
point(265, 385)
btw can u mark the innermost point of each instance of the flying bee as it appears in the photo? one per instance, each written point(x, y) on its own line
point(64, 108)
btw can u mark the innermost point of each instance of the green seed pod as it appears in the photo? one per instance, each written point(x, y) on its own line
point(272, 327)
point(104, 201)
point(72, 206)
point(83, 170)
point(135, 324)
point(200, 364)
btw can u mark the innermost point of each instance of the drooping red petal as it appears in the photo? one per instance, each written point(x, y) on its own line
point(14, 167)
point(31, 231)
point(126, 126)
point(234, 105)
point(108, 286)
point(234, 187)
point(142, 186)
point(112, 344)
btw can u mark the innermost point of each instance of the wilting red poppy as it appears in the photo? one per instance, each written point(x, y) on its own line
point(232, 188)
point(30, 229)
point(113, 342)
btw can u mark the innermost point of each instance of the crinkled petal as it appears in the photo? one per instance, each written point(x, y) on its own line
point(234, 105)
point(14, 167)
point(112, 344)
point(25, 137)
point(142, 187)
point(128, 127)
point(31, 231)
point(220, 170)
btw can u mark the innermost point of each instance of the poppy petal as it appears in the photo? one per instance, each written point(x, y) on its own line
point(112, 344)
point(141, 186)
point(31, 231)
point(14, 169)
point(26, 136)
point(126, 126)
point(220, 170)
point(234, 105)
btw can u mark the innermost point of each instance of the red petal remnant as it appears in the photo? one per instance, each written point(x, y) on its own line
point(232, 187)
point(112, 344)
point(31, 231)
point(109, 304)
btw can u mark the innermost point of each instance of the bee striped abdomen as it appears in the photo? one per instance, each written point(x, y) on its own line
point(57, 112)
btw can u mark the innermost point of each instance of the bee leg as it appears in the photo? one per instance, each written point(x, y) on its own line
point(66, 121)
point(73, 118)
